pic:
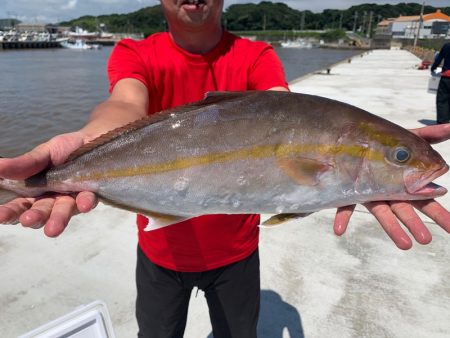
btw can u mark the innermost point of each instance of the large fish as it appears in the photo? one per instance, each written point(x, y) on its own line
point(247, 152)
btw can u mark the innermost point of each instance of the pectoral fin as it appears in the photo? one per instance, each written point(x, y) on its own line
point(281, 218)
point(304, 171)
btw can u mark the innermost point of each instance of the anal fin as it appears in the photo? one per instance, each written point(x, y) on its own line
point(282, 218)
point(156, 220)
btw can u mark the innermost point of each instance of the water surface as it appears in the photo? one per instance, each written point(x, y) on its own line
point(51, 91)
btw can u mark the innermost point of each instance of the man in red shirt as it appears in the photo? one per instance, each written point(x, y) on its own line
point(217, 253)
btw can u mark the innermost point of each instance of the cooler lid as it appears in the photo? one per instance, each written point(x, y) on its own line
point(87, 321)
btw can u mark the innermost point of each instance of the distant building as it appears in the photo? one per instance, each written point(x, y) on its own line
point(384, 27)
point(432, 26)
point(7, 24)
point(37, 28)
point(31, 27)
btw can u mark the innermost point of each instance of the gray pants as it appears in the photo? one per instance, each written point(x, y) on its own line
point(443, 100)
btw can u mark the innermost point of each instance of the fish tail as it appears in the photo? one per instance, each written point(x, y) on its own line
point(6, 196)
point(6, 191)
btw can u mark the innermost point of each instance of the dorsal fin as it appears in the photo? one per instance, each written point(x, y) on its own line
point(213, 97)
point(112, 134)
point(210, 98)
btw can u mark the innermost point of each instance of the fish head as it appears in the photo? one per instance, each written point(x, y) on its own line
point(424, 166)
point(395, 163)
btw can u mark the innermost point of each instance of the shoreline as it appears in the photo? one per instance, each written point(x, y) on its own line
point(327, 69)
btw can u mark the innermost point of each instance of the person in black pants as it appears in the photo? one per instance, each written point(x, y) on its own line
point(443, 92)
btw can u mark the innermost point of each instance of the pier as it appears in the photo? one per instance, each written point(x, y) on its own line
point(314, 284)
point(7, 45)
point(4, 45)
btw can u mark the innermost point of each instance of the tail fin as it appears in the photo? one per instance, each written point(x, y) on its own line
point(6, 196)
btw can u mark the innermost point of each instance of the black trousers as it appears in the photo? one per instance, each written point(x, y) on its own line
point(232, 293)
point(443, 100)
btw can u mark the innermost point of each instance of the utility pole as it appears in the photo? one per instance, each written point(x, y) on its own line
point(340, 20)
point(369, 25)
point(420, 25)
point(363, 26)
point(302, 21)
point(264, 22)
point(355, 21)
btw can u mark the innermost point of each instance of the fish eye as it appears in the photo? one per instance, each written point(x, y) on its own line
point(401, 154)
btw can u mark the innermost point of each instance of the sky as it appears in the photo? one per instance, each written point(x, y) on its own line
point(52, 11)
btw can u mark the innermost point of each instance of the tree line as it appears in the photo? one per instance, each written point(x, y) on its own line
point(261, 17)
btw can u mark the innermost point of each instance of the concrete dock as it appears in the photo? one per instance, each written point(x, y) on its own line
point(314, 284)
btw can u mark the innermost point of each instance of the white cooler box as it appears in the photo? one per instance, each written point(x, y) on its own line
point(87, 321)
point(433, 84)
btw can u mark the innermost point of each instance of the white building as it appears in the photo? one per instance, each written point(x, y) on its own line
point(433, 25)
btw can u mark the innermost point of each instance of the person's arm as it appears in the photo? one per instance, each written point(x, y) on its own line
point(279, 89)
point(437, 60)
point(128, 102)
point(390, 214)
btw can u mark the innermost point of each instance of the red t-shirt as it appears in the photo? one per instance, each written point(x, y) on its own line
point(174, 77)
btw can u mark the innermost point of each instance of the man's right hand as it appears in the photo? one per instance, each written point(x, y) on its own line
point(128, 102)
point(51, 212)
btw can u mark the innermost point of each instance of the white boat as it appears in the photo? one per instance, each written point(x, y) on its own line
point(299, 43)
point(82, 34)
point(79, 44)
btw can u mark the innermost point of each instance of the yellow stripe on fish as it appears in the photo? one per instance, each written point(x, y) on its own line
point(382, 138)
point(257, 152)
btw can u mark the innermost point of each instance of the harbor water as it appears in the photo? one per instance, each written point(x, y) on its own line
point(50, 91)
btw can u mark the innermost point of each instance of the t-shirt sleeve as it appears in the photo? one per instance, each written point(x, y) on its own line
point(267, 71)
point(125, 62)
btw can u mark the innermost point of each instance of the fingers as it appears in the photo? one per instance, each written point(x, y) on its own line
point(433, 134)
point(86, 201)
point(435, 211)
point(405, 212)
point(342, 218)
point(388, 220)
point(390, 213)
point(38, 214)
point(407, 215)
point(52, 212)
point(53, 152)
point(10, 212)
point(25, 165)
point(63, 209)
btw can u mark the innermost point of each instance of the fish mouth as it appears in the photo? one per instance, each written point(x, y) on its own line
point(427, 188)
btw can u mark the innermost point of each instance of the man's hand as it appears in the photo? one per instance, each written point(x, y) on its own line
point(51, 212)
point(391, 214)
